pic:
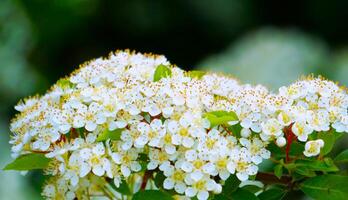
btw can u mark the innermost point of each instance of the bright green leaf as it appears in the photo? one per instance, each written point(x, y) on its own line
point(161, 71)
point(333, 187)
point(272, 194)
point(278, 171)
point(112, 135)
point(196, 74)
point(29, 162)
point(64, 83)
point(220, 117)
point(151, 195)
point(342, 157)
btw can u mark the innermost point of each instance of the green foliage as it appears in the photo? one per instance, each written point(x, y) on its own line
point(329, 138)
point(272, 194)
point(326, 165)
point(112, 135)
point(333, 187)
point(342, 157)
point(196, 74)
point(151, 195)
point(161, 71)
point(239, 194)
point(278, 170)
point(230, 186)
point(65, 83)
point(29, 162)
point(220, 117)
point(159, 179)
point(123, 188)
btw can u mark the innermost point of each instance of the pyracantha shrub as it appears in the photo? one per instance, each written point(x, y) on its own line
point(135, 126)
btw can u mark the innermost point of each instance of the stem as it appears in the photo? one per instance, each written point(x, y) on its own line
point(146, 177)
point(270, 178)
point(290, 137)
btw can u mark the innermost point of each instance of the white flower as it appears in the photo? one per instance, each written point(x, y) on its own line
point(242, 164)
point(301, 130)
point(312, 148)
point(127, 160)
point(271, 129)
point(150, 133)
point(45, 140)
point(175, 179)
point(89, 117)
point(200, 188)
point(256, 149)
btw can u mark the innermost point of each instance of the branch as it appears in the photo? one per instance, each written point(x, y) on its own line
point(146, 177)
point(270, 178)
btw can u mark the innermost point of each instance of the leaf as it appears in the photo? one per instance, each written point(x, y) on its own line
point(239, 194)
point(342, 157)
point(231, 184)
point(113, 135)
point(242, 194)
point(29, 162)
point(196, 74)
point(161, 71)
point(64, 83)
point(278, 170)
point(123, 189)
point(333, 187)
point(159, 179)
point(151, 195)
point(304, 171)
point(252, 188)
point(329, 139)
point(272, 194)
point(220, 117)
point(317, 165)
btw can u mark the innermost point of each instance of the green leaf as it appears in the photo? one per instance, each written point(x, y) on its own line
point(342, 157)
point(333, 187)
point(113, 135)
point(220, 117)
point(304, 171)
point(161, 71)
point(316, 165)
point(252, 188)
point(29, 162)
point(272, 194)
point(123, 189)
point(329, 139)
point(151, 195)
point(64, 83)
point(239, 194)
point(196, 74)
point(231, 184)
point(159, 179)
point(278, 170)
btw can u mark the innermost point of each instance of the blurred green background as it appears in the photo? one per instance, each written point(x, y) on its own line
point(269, 42)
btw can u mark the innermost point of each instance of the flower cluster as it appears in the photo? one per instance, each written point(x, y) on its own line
point(117, 117)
